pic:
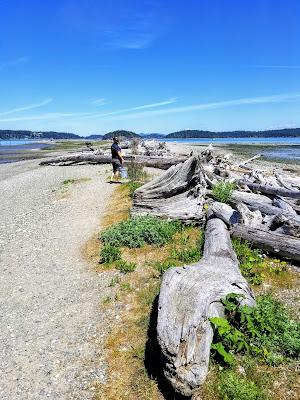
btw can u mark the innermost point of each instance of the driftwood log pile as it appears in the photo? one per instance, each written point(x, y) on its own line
point(264, 209)
point(154, 148)
point(147, 153)
point(98, 158)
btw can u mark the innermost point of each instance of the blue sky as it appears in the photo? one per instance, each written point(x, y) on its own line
point(92, 66)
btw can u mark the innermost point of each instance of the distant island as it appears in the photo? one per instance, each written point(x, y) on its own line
point(23, 135)
point(185, 134)
point(120, 134)
point(196, 134)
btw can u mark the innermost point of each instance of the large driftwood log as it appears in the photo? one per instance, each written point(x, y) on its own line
point(177, 193)
point(271, 190)
point(96, 158)
point(275, 243)
point(258, 202)
point(189, 296)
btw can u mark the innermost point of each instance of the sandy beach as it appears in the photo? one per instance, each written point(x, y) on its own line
point(51, 327)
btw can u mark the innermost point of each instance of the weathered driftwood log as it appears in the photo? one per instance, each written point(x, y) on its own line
point(189, 296)
point(96, 158)
point(177, 193)
point(275, 243)
point(257, 202)
point(284, 205)
point(243, 163)
point(249, 218)
point(223, 211)
point(285, 225)
point(271, 190)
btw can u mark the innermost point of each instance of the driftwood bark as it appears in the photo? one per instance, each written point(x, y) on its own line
point(268, 189)
point(275, 243)
point(257, 202)
point(247, 217)
point(96, 158)
point(189, 296)
point(177, 193)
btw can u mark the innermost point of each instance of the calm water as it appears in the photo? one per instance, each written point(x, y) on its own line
point(15, 142)
point(252, 140)
point(284, 148)
point(12, 150)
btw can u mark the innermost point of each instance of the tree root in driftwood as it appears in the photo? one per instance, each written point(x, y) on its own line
point(189, 296)
point(178, 193)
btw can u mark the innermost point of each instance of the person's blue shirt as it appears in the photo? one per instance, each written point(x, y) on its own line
point(115, 150)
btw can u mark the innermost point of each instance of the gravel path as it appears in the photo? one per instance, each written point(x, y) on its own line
point(49, 310)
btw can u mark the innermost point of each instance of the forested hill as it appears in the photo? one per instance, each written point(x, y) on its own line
point(11, 135)
point(237, 134)
point(120, 134)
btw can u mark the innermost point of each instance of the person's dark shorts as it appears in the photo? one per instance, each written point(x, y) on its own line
point(116, 165)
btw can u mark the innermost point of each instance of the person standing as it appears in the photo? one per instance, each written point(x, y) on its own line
point(116, 159)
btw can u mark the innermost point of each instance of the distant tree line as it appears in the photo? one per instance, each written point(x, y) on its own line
point(193, 134)
point(11, 134)
point(237, 134)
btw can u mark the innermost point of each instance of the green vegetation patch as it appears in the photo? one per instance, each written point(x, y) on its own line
point(138, 231)
point(132, 186)
point(232, 386)
point(125, 266)
point(222, 191)
point(109, 254)
point(254, 266)
point(264, 331)
point(251, 261)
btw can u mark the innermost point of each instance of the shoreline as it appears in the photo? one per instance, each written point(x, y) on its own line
point(238, 151)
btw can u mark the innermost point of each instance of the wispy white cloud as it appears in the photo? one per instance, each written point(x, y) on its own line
point(99, 102)
point(80, 115)
point(18, 61)
point(126, 110)
point(220, 104)
point(26, 108)
point(161, 103)
point(129, 114)
point(45, 116)
point(279, 66)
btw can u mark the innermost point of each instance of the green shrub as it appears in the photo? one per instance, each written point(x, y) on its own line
point(68, 181)
point(137, 231)
point(264, 331)
point(251, 260)
point(222, 191)
point(132, 186)
point(125, 266)
point(233, 386)
point(109, 254)
point(163, 266)
point(188, 255)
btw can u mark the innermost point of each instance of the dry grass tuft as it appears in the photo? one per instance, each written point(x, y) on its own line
point(127, 374)
point(119, 209)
